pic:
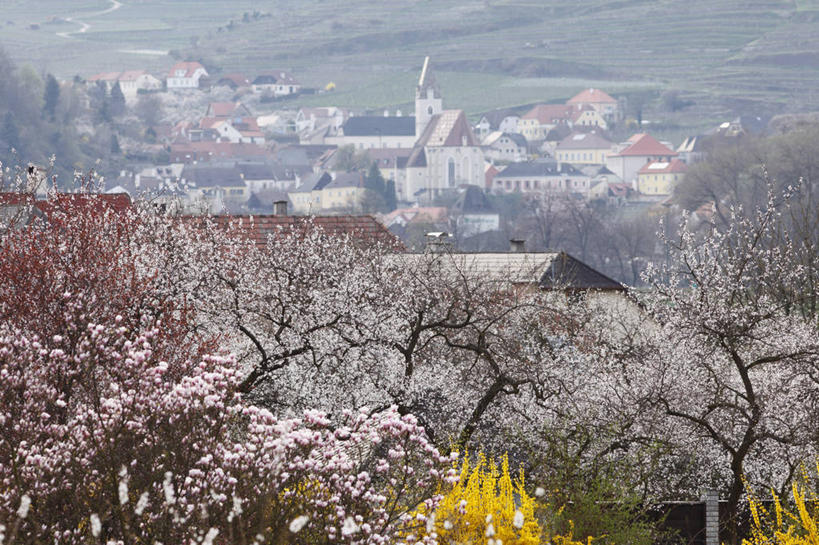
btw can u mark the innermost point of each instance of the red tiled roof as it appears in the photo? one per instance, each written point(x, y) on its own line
point(664, 167)
point(645, 144)
point(189, 68)
point(222, 109)
point(105, 76)
point(364, 229)
point(118, 202)
point(547, 114)
point(591, 96)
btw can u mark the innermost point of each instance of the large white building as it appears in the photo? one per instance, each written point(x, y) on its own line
point(446, 154)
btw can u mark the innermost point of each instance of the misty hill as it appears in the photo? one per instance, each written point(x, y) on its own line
point(724, 55)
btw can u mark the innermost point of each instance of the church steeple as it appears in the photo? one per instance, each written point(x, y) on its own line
point(428, 100)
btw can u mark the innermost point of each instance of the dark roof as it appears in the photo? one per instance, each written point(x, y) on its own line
point(472, 201)
point(256, 171)
point(538, 168)
point(418, 158)
point(517, 138)
point(567, 273)
point(207, 176)
point(346, 179)
point(313, 182)
point(364, 229)
point(379, 126)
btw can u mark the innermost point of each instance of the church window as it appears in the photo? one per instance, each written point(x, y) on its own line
point(450, 176)
point(429, 110)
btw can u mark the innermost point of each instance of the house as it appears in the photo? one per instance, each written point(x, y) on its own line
point(632, 155)
point(660, 177)
point(276, 83)
point(345, 192)
point(309, 120)
point(131, 82)
point(587, 116)
point(306, 198)
point(214, 188)
point(109, 79)
point(261, 176)
point(220, 110)
point(239, 130)
point(18, 209)
point(583, 148)
point(185, 75)
point(234, 81)
point(554, 271)
point(503, 146)
point(537, 122)
point(541, 177)
point(601, 102)
point(372, 132)
point(259, 228)
point(194, 152)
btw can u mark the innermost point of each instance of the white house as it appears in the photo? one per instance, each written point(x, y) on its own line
point(185, 75)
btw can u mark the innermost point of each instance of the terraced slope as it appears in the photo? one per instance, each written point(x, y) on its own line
point(726, 55)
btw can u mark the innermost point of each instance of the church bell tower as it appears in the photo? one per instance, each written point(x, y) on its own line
point(428, 100)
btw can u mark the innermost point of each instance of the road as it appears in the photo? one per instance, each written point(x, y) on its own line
point(115, 5)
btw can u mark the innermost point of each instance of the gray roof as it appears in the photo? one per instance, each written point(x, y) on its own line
point(538, 169)
point(313, 182)
point(584, 140)
point(208, 176)
point(346, 179)
point(548, 270)
point(379, 126)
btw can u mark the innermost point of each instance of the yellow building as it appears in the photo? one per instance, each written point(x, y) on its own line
point(583, 148)
point(323, 192)
point(660, 177)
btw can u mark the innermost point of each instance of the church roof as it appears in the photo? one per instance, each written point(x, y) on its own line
point(379, 126)
point(449, 128)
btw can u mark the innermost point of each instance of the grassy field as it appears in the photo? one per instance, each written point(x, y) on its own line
point(728, 56)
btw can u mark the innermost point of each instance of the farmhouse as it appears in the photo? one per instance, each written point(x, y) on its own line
point(185, 75)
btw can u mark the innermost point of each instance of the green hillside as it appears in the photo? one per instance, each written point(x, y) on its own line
point(726, 56)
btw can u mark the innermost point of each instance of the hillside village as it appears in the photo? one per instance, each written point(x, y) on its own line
point(229, 144)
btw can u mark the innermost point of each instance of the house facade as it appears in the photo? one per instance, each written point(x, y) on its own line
point(185, 75)
point(632, 155)
point(660, 177)
point(541, 177)
point(583, 148)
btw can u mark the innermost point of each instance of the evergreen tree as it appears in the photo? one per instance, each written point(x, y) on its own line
point(115, 144)
point(51, 97)
point(117, 101)
point(390, 198)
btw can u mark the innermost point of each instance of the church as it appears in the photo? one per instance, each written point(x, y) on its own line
point(446, 153)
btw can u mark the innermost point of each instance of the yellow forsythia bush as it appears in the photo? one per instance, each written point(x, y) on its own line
point(795, 526)
point(489, 506)
point(487, 503)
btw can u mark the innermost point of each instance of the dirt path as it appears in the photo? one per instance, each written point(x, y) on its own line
point(115, 5)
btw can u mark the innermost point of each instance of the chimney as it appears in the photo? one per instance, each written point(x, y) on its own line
point(437, 242)
point(280, 208)
point(517, 245)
